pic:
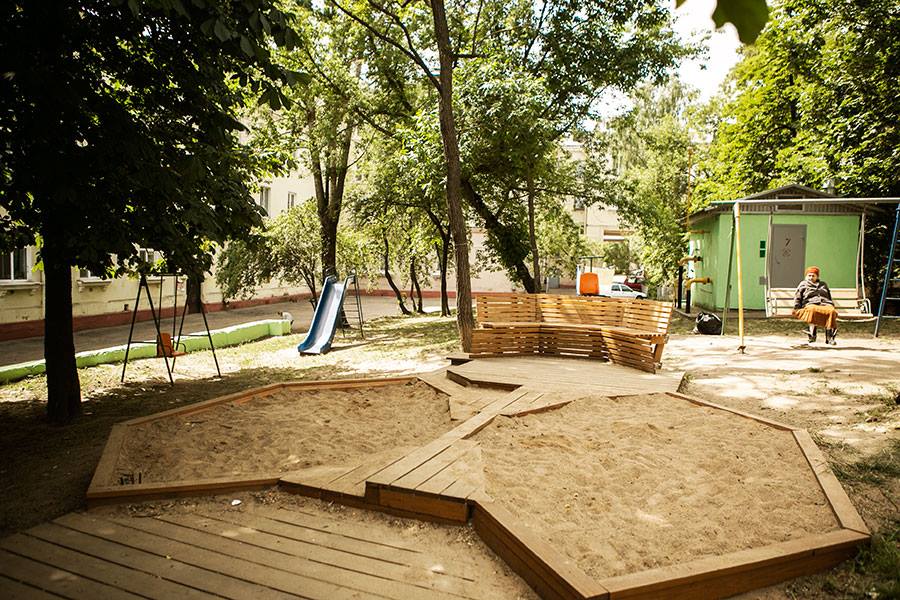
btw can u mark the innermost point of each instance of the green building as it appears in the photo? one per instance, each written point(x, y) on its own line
point(782, 232)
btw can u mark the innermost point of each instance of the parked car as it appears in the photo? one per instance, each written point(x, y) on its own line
point(620, 290)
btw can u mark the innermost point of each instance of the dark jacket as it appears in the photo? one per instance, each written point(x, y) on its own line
point(812, 293)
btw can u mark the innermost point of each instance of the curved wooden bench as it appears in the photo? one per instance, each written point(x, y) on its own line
point(620, 330)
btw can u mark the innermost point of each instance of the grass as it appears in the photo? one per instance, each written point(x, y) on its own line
point(876, 469)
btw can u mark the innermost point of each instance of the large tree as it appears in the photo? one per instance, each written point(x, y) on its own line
point(815, 101)
point(119, 131)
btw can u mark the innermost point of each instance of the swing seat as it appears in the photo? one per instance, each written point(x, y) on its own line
point(850, 307)
point(164, 347)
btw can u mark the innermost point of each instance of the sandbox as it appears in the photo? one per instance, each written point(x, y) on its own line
point(585, 494)
point(288, 430)
point(267, 432)
point(623, 485)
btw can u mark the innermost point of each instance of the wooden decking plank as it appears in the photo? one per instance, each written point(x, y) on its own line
point(468, 468)
point(252, 530)
point(57, 581)
point(154, 564)
point(10, 588)
point(437, 463)
point(342, 535)
point(265, 581)
point(100, 570)
point(411, 461)
point(312, 573)
point(469, 484)
point(354, 480)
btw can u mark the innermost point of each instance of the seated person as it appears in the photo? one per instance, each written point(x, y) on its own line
point(813, 304)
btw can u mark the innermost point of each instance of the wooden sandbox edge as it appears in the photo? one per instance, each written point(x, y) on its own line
point(108, 458)
point(846, 513)
point(740, 413)
point(320, 384)
point(737, 572)
point(99, 486)
point(205, 404)
point(539, 564)
point(197, 487)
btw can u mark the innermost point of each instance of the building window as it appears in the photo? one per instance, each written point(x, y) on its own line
point(148, 256)
point(578, 204)
point(292, 198)
point(264, 199)
point(14, 265)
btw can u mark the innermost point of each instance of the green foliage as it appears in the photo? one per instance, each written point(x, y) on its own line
point(140, 131)
point(653, 152)
point(289, 249)
point(620, 256)
point(747, 16)
point(814, 101)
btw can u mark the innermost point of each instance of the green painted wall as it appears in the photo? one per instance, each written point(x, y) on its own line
point(831, 244)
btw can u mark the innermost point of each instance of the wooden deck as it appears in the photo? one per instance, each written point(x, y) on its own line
point(551, 374)
point(260, 553)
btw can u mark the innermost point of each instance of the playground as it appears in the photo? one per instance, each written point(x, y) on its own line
point(445, 443)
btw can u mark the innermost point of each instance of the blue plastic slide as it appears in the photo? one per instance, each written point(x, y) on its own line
point(328, 311)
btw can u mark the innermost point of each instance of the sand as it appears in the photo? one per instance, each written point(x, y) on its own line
point(287, 431)
point(630, 484)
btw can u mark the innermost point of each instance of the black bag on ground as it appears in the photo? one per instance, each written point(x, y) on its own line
point(709, 324)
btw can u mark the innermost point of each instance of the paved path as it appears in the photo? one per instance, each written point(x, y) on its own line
point(17, 351)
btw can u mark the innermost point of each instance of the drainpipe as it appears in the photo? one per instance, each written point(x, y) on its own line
point(681, 283)
point(687, 285)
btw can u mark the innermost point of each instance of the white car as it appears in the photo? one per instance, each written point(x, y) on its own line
point(620, 290)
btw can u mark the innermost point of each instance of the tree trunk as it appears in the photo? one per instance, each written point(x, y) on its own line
point(329, 175)
point(390, 280)
point(194, 297)
point(514, 259)
point(465, 319)
point(329, 246)
point(414, 286)
point(532, 238)
point(443, 252)
point(63, 387)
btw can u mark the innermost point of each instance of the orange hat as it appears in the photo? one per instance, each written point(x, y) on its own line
point(812, 270)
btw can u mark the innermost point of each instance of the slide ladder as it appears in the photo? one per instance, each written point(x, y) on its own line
point(353, 311)
point(891, 275)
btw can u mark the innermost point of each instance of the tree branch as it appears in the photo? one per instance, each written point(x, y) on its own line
point(410, 51)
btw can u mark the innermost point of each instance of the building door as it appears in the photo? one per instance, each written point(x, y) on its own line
point(787, 255)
